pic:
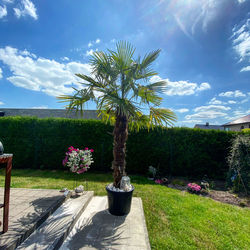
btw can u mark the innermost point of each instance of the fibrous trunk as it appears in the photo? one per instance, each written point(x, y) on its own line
point(120, 134)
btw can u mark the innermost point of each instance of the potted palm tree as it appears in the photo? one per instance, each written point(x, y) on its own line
point(120, 87)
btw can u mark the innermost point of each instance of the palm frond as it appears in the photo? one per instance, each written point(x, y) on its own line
point(148, 96)
point(149, 58)
point(161, 117)
point(158, 87)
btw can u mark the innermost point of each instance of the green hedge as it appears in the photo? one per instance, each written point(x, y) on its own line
point(42, 143)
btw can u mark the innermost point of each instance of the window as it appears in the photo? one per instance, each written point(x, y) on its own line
point(242, 127)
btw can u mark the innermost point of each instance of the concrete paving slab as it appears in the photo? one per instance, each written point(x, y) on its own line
point(51, 234)
point(98, 229)
point(27, 213)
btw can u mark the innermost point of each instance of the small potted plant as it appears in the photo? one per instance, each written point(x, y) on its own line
point(119, 85)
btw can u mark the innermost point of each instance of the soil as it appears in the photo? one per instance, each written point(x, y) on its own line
point(230, 198)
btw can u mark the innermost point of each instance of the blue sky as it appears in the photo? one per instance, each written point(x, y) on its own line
point(205, 57)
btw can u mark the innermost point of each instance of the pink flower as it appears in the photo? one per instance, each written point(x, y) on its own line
point(86, 149)
point(194, 187)
point(80, 171)
point(158, 181)
point(65, 160)
point(91, 150)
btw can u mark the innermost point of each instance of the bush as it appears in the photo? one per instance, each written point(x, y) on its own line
point(42, 143)
point(239, 164)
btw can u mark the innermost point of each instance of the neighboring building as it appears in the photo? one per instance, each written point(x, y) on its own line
point(238, 124)
point(44, 113)
point(207, 126)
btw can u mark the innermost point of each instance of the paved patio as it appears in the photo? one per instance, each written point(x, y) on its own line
point(28, 209)
point(98, 229)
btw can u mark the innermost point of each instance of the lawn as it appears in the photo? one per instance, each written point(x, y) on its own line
point(175, 219)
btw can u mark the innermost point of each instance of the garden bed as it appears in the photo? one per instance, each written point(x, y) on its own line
point(218, 192)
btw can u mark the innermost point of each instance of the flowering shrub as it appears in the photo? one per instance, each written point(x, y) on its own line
point(193, 188)
point(78, 160)
point(158, 181)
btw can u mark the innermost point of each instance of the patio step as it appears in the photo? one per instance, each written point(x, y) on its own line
point(29, 208)
point(51, 234)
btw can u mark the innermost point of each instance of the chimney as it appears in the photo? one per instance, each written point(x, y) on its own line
point(207, 124)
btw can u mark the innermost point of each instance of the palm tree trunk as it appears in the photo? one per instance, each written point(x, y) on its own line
point(120, 134)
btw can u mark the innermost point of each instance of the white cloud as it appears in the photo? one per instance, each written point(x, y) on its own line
point(41, 74)
point(241, 43)
point(40, 107)
point(211, 108)
point(1, 103)
point(65, 58)
point(3, 11)
point(208, 112)
point(182, 26)
point(1, 73)
point(92, 43)
point(89, 52)
point(181, 87)
point(26, 8)
point(27, 53)
point(245, 69)
point(191, 121)
point(237, 114)
point(236, 93)
point(244, 101)
point(204, 86)
point(184, 110)
point(8, 1)
point(241, 1)
point(232, 102)
point(215, 101)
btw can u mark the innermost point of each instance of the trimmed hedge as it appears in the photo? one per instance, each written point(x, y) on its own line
point(42, 143)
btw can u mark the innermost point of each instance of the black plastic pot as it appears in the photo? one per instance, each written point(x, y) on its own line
point(119, 202)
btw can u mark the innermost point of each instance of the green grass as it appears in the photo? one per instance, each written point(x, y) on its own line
point(175, 219)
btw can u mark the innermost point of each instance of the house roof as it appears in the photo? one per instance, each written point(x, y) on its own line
point(244, 119)
point(204, 126)
point(44, 113)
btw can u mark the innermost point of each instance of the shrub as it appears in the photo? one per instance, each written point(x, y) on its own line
point(41, 143)
point(239, 163)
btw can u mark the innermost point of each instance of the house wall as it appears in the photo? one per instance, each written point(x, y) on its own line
point(237, 127)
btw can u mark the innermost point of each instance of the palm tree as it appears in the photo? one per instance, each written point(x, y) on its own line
point(119, 85)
